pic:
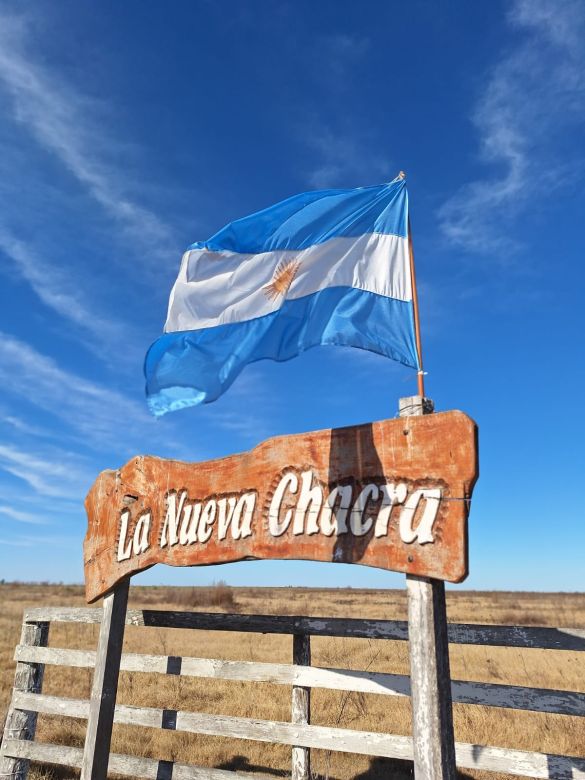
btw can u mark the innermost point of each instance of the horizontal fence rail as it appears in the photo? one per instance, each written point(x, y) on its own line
point(541, 638)
point(488, 694)
point(127, 766)
point(299, 735)
point(514, 762)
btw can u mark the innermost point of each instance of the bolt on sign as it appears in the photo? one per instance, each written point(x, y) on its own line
point(392, 494)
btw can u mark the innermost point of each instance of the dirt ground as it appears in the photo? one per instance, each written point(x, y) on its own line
point(477, 724)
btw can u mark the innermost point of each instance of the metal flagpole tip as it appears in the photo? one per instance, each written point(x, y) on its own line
point(401, 175)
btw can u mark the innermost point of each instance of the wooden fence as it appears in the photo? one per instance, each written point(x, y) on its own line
point(33, 654)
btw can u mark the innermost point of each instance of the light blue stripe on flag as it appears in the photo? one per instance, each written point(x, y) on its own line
point(321, 268)
point(315, 217)
point(194, 367)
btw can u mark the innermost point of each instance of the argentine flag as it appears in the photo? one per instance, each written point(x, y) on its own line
point(323, 267)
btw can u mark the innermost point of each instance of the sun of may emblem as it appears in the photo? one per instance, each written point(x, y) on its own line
point(282, 278)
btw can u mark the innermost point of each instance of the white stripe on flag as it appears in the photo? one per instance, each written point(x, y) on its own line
point(216, 288)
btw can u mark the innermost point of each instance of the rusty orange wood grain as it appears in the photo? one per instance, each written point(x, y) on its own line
point(392, 494)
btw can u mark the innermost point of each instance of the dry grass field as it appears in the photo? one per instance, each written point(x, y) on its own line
point(482, 725)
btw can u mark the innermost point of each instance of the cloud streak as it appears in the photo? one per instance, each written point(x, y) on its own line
point(67, 124)
point(58, 291)
point(20, 516)
point(534, 95)
point(343, 149)
point(344, 154)
point(57, 474)
point(92, 410)
point(39, 541)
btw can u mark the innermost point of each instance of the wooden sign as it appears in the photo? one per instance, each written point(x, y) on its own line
point(391, 494)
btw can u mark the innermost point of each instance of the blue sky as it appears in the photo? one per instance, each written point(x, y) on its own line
point(131, 130)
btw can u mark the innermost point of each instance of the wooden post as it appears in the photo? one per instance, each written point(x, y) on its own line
point(430, 677)
point(301, 707)
point(98, 736)
point(21, 724)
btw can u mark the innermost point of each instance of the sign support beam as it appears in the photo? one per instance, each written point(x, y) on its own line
point(301, 707)
point(430, 677)
point(98, 736)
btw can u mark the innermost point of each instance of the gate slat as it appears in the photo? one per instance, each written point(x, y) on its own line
point(515, 762)
point(542, 638)
point(344, 740)
point(487, 694)
point(128, 766)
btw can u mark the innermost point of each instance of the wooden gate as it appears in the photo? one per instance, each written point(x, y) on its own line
point(19, 746)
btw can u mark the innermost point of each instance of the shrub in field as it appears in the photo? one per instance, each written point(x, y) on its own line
point(220, 594)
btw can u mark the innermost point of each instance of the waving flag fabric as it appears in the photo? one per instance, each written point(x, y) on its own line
point(324, 267)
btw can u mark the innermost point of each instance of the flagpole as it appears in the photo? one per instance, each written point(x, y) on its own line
point(430, 675)
point(420, 373)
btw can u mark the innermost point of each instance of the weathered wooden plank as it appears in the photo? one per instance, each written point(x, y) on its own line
point(430, 680)
point(125, 765)
point(215, 621)
point(519, 698)
point(505, 760)
point(301, 707)
point(541, 638)
point(392, 494)
point(51, 705)
point(21, 724)
point(105, 685)
point(519, 762)
point(55, 656)
point(537, 638)
point(463, 692)
point(430, 677)
point(515, 762)
point(344, 740)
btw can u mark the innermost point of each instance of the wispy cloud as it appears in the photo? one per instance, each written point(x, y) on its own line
point(90, 415)
point(343, 151)
point(69, 125)
point(16, 496)
point(25, 541)
point(92, 410)
point(335, 55)
point(58, 290)
point(56, 474)
point(345, 154)
point(22, 517)
point(16, 423)
point(534, 95)
point(39, 541)
point(48, 125)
